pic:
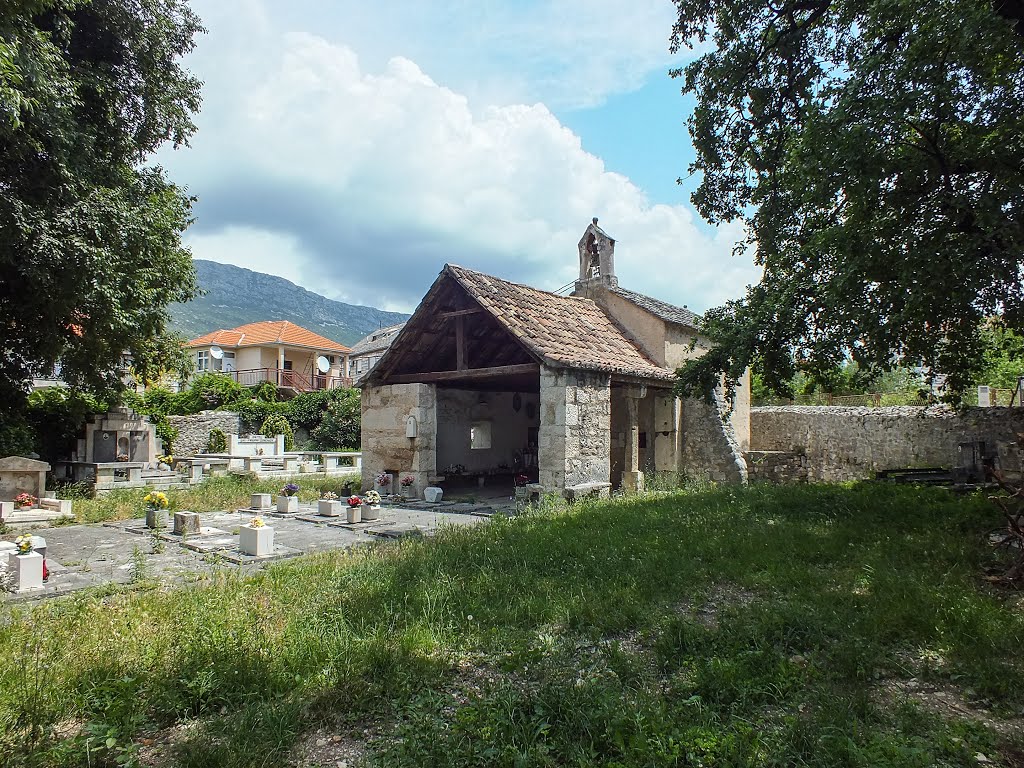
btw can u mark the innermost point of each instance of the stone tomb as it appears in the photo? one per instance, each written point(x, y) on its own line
point(118, 435)
point(21, 475)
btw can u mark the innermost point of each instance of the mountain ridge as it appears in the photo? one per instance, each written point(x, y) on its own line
point(235, 296)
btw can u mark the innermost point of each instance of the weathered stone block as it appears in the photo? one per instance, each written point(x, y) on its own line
point(186, 523)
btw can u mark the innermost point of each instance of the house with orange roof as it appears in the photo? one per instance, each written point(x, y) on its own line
point(283, 353)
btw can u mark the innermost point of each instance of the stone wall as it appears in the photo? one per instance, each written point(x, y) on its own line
point(776, 467)
point(194, 430)
point(385, 447)
point(459, 409)
point(710, 448)
point(575, 428)
point(852, 443)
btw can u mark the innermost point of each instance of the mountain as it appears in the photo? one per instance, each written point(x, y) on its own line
point(235, 296)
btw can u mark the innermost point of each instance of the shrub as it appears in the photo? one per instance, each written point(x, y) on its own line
point(208, 392)
point(55, 417)
point(167, 433)
point(340, 424)
point(254, 412)
point(218, 442)
point(267, 392)
point(307, 410)
point(278, 425)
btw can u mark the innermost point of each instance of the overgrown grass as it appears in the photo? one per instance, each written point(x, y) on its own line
point(213, 494)
point(728, 626)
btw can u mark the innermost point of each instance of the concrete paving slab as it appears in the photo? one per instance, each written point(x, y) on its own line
point(83, 556)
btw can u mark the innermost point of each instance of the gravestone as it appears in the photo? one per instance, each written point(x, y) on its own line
point(21, 475)
point(118, 435)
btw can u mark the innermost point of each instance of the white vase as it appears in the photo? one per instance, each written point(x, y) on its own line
point(287, 503)
point(371, 512)
point(432, 494)
point(28, 571)
point(355, 515)
point(260, 501)
point(328, 508)
point(256, 542)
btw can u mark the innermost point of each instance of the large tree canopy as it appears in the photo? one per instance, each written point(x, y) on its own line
point(874, 150)
point(90, 238)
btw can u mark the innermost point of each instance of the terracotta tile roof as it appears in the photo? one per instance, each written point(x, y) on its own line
point(669, 312)
point(564, 331)
point(269, 332)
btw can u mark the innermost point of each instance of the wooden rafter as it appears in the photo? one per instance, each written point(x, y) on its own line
point(469, 373)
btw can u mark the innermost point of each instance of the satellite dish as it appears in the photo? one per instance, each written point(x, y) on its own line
point(323, 364)
point(216, 352)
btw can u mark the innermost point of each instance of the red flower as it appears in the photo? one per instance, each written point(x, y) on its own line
point(354, 501)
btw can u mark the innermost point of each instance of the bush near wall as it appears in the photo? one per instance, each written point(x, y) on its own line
point(53, 420)
point(218, 442)
point(330, 417)
point(278, 425)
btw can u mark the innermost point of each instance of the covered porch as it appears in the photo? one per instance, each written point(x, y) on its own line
point(464, 396)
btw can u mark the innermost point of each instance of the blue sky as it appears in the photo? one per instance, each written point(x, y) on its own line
point(355, 148)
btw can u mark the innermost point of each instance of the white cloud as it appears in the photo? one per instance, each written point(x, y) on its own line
point(361, 184)
point(562, 52)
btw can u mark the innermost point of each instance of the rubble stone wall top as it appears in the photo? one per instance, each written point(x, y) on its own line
point(849, 443)
point(194, 430)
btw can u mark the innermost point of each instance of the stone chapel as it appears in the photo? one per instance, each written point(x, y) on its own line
point(491, 378)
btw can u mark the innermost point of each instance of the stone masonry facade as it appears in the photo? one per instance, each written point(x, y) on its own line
point(710, 447)
point(574, 442)
point(385, 446)
point(194, 429)
point(840, 444)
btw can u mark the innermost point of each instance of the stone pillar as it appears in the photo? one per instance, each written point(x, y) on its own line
point(667, 433)
point(385, 411)
point(575, 428)
point(632, 477)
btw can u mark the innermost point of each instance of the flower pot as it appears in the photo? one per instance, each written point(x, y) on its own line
point(287, 503)
point(28, 571)
point(328, 508)
point(256, 542)
point(371, 511)
point(355, 514)
point(157, 518)
point(259, 501)
point(432, 494)
point(522, 494)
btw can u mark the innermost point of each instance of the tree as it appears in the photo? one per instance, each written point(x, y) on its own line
point(1003, 356)
point(875, 153)
point(90, 239)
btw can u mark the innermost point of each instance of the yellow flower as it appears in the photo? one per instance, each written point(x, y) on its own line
point(257, 522)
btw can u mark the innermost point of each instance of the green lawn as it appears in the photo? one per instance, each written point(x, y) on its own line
point(215, 493)
point(723, 627)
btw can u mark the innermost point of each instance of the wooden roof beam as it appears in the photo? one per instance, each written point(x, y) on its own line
point(469, 373)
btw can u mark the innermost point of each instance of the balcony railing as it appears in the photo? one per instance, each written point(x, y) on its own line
point(300, 382)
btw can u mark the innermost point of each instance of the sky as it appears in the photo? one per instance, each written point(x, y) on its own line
point(355, 148)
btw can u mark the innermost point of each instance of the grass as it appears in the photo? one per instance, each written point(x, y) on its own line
point(717, 627)
point(213, 494)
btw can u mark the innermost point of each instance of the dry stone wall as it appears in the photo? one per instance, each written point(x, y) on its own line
point(776, 467)
point(853, 443)
point(710, 447)
point(194, 429)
